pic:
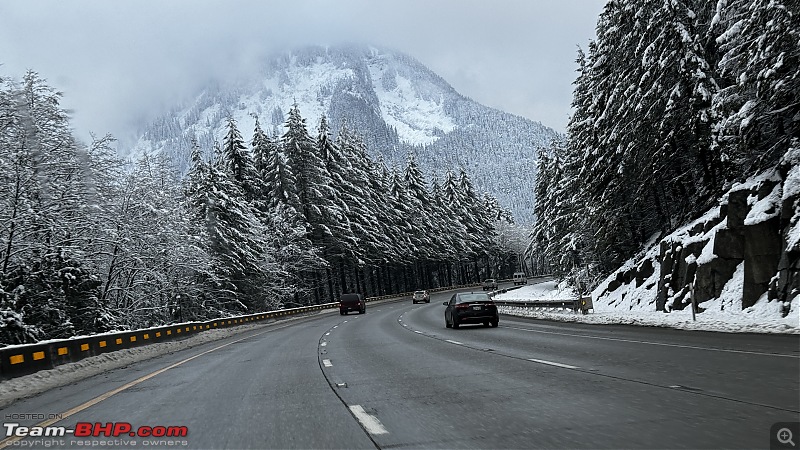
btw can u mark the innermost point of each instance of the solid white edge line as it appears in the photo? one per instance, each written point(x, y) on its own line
point(327, 363)
point(370, 422)
point(551, 363)
point(454, 342)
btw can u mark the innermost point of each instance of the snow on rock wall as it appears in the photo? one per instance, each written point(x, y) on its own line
point(740, 253)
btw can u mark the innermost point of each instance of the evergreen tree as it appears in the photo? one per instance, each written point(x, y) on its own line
point(45, 275)
point(760, 103)
point(237, 161)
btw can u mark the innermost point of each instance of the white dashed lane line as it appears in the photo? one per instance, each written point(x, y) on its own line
point(327, 363)
point(368, 421)
point(551, 363)
point(454, 342)
point(323, 344)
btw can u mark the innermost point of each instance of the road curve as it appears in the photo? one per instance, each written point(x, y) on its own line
point(396, 377)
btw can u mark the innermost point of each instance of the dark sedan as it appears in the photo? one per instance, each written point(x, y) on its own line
point(470, 307)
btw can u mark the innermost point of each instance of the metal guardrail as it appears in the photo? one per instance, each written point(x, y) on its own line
point(582, 305)
point(18, 360)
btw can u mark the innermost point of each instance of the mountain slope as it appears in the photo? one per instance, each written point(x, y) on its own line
point(394, 101)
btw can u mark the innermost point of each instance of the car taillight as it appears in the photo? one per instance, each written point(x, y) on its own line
point(462, 305)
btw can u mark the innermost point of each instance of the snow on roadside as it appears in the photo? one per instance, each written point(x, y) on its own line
point(720, 315)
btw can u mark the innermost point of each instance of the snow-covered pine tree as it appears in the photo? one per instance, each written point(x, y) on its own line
point(759, 105)
point(362, 200)
point(45, 276)
point(317, 205)
point(236, 160)
point(419, 211)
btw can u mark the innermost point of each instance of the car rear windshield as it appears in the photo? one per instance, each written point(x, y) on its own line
point(350, 298)
point(475, 297)
point(419, 293)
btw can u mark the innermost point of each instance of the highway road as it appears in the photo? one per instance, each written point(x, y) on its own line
point(395, 377)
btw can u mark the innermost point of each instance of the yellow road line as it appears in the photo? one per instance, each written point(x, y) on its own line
point(10, 440)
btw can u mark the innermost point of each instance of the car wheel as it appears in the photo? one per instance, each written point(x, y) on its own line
point(363, 311)
point(447, 324)
point(455, 324)
point(495, 322)
point(486, 324)
point(428, 301)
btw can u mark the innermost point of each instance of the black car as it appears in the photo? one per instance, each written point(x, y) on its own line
point(352, 302)
point(470, 307)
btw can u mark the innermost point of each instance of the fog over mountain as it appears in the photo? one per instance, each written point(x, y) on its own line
point(396, 103)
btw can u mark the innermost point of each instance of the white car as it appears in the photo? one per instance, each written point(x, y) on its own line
point(490, 284)
point(520, 278)
point(421, 296)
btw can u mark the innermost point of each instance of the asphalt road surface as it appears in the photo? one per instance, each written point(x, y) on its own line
point(395, 377)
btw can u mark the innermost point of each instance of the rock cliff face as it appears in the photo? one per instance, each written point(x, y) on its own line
point(742, 251)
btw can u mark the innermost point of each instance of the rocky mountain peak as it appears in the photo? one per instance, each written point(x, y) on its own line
point(395, 102)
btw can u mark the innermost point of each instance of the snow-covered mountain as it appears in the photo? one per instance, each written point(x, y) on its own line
point(394, 101)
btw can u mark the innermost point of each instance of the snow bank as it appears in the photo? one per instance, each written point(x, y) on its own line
point(721, 315)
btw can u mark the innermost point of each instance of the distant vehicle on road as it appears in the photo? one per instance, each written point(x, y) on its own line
point(421, 296)
point(520, 278)
point(470, 307)
point(352, 302)
point(490, 284)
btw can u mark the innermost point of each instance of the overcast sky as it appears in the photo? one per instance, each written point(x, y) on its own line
point(119, 62)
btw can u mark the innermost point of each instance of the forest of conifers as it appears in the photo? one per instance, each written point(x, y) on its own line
point(91, 243)
point(674, 102)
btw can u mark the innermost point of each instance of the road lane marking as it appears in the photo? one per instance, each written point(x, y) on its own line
point(454, 342)
point(368, 421)
point(417, 331)
point(327, 363)
point(323, 344)
point(656, 343)
point(88, 404)
point(551, 363)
